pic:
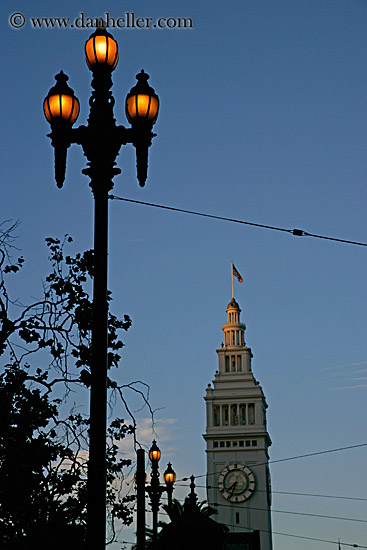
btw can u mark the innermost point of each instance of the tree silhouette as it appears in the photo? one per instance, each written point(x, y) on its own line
point(177, 510)
point(45, 349)
point(191, 526)
point(183, 516)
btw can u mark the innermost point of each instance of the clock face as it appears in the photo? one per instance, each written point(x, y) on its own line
point(236, 482)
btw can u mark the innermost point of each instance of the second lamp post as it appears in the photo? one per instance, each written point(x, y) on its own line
point(155, 489)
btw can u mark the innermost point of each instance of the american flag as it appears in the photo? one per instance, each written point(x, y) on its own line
point(236, 274)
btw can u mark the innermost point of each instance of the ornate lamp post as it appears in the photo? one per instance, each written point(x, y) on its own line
point(101, 141)
point(155, 489)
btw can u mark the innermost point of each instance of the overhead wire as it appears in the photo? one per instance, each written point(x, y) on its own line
point(287, 535)
point(291, 512)
point(322, 516)
point(295, 232)
point(288, 458)
point(284, 493)
point(245, 529)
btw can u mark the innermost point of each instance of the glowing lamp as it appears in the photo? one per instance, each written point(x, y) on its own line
point(169, 475)
point(154, 453)
point(61, 103)
point(101, 50)
point(142, 102)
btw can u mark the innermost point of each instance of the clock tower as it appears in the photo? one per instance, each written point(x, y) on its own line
point(237, 440)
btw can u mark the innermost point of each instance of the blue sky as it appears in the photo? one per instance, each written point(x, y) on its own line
point(263, 118)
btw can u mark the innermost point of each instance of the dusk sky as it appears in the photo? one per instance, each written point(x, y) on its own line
point(263, 118)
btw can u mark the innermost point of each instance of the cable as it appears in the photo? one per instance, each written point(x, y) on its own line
point(289, 458)
point(282, 493)
point(315, 495)
point(293, 536)
point(318, 453)
point(217, 505)
point(303, 537)
point(295, 232)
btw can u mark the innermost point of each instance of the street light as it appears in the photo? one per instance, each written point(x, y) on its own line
point(154, 454)
point(169, 478)
point(155, 489)
point(101, 49)
point(101, 141)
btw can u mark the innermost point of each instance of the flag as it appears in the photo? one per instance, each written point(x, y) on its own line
point(236, 274)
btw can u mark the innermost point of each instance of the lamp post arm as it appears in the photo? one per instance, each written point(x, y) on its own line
point(118, 134)
point(124, 135)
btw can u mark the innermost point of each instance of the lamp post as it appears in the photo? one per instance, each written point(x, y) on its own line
point(155, 489)
point(101, 141)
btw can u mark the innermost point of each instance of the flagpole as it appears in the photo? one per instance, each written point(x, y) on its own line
point(232, 279)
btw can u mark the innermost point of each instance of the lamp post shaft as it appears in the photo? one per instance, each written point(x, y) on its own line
point(169, 496)
point(140, 500)
point(155, 495)
point(96, 497)
point(155, 525)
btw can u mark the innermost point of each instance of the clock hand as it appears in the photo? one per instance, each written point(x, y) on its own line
point(232, 487)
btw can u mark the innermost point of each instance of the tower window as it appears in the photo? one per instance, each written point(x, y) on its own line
point(221, 443)
point(239, 363)
point(225, 415)
point(215, 444)
point(216, 415)
point(251, 413)
point(226, 359)
point(248, 443)
point(228, 443)
point(241, 443)
point(233, 363)
point(237, 517)
point(254, 443)
point(242, 414)
point(234, 416)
